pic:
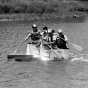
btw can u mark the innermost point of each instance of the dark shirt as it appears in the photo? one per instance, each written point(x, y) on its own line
point(35, 36)
point(60, 41)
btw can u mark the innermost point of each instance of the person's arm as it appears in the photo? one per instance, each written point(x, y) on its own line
point(29, 34)
point(41, 33)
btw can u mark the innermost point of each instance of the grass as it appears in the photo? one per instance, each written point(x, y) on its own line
point(39, 9)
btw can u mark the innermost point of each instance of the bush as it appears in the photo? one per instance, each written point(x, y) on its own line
point(13, 9)
point(5, 9)
point(37, 8)
point(41, 8)
point(20, 8)
point(51, 8)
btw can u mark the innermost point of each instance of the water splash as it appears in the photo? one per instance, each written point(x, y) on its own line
point(82, 58)
point(28, 51)
point(44, 54)
point(32, 50)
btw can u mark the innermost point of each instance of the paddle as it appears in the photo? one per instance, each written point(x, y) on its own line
point(18, 47)
point(77, 47)
point(21, 43)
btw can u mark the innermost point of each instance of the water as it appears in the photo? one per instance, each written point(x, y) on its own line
point(37, 74)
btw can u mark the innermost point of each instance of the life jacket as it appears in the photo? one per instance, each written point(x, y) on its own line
point(45, 36)
point(50, 37)
point(35, 36)
point(61, 35)
point(55, 36)
point(60, 41)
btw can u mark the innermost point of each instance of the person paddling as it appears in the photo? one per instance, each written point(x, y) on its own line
point(61, 40)
point(35, 36)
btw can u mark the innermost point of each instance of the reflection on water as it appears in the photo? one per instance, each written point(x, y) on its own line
point(55, 67)
point(56, 73)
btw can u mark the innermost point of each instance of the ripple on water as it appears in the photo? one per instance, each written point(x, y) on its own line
point(77, 71)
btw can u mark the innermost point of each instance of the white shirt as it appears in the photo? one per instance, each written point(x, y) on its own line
point(55, 36)
point(65, 38)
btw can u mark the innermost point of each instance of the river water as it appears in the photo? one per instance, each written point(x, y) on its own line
point(39, 74)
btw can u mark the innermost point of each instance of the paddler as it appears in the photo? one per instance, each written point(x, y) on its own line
point(51, 38)
point(44, 33)
point(35, 36)
point(45, 37)
point(61, 40)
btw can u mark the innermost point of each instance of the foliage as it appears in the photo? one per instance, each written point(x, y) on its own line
point(36, 9)
point(32, 6)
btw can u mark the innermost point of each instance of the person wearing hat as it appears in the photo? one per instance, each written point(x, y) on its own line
point(45, 31)
point(33, 42)
point(51, 38)
point(45, 37)
point(35, 36)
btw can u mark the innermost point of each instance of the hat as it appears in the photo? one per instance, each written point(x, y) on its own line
point(60, 30)
point(34, 26)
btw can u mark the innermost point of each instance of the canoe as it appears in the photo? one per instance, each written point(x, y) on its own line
point(51, 54)
point(32, 50)
point(41, 53)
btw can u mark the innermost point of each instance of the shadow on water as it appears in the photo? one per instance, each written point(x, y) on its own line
point(57, 66)
point(53, 68)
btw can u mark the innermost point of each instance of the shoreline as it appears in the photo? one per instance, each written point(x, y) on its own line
point(62, 19)
point(15, 19)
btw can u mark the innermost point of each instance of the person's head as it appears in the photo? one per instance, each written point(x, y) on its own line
point(34, 27)
point(45, 29)
point(53, 31)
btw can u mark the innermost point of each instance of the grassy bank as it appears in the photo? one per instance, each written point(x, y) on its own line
point(46, 17)
point(29, 10)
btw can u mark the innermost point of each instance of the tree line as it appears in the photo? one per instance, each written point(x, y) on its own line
point(38, 8)
point(35, 7)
